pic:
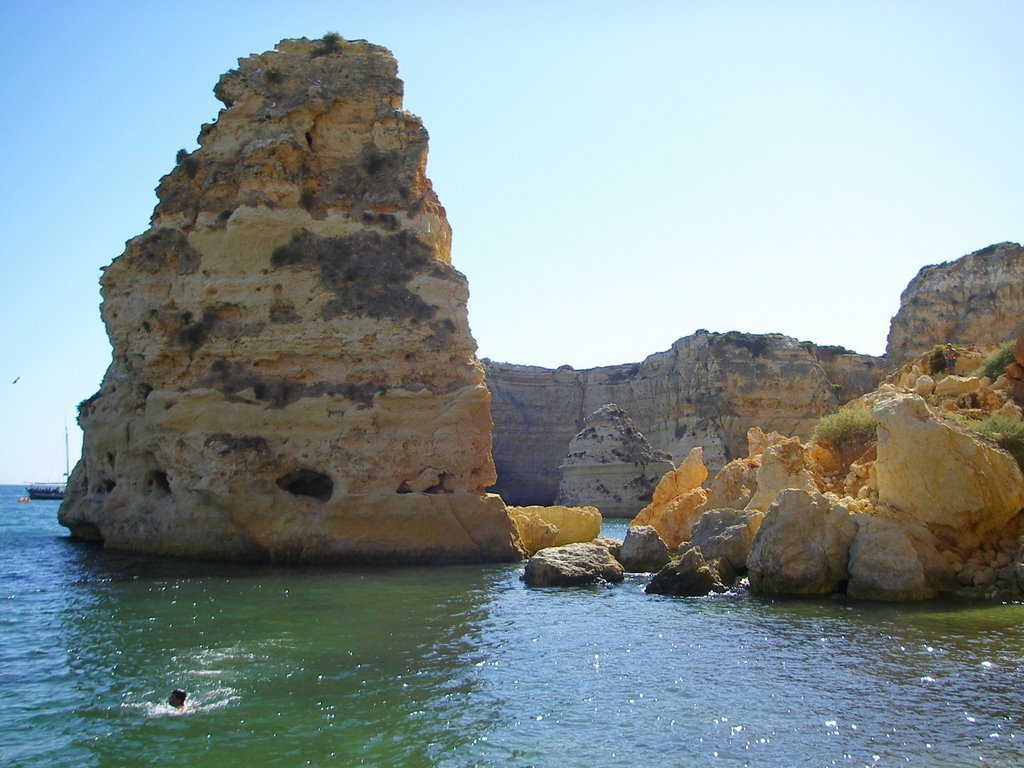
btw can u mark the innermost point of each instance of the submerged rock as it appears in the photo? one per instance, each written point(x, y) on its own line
point(293, 375)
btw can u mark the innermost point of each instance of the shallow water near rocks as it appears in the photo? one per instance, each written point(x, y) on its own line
point(465, 666)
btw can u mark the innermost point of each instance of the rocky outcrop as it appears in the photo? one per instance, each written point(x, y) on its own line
point(904, 499)
point(610, 465)
point(293, 375)
point(707, 390)
point(977, 299)
point(555, 526)
point(775, 463)
point(783, 465)
point(931, 507)
point(572, 565)
point(678, 501)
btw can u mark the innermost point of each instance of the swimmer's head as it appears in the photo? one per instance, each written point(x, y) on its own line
point(177, 698)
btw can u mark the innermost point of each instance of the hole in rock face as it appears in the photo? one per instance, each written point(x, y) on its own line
point(307, 482)
point(158, 482)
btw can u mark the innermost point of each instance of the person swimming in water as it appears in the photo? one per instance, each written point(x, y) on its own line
point(177, 698)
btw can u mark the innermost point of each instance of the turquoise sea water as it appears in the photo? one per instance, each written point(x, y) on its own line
point(464, 666)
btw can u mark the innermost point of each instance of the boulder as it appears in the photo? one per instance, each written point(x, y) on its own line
point(612, 545)
point(643, 550)
point(924, 385)
point(610, 465)
point(727, 534)
point(688, 575)
point(802, 546)
point(962, 487)
point(954, 386)
point(541, 527)
point(735, 484)
point(572, 565)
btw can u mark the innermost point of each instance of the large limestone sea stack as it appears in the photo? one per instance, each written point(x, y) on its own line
point(293, 375)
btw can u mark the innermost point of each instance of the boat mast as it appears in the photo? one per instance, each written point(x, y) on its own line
point(67, 459)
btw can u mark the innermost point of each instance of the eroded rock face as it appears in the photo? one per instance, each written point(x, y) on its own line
point(977, 299)
point(610, 465)
point(707, 390)
point(293, 376)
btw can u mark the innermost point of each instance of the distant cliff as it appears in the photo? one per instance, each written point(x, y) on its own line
point(707, 390)
point(977, 299)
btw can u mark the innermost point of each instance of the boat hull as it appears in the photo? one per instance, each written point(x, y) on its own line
point(45, 492)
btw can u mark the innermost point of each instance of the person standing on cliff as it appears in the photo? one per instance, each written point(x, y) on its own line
point(950, 355)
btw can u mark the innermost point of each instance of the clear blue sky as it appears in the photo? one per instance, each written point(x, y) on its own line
point(617, 175)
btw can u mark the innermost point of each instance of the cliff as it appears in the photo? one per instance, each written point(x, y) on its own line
point(707, 390)
point(293, 375)
point(977, 299)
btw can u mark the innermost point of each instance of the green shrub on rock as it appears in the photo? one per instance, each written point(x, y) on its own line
point(847, 429)
point(994, 365)
point(1007, 432)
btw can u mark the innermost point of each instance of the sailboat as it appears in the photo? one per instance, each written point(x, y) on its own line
point(52, 491)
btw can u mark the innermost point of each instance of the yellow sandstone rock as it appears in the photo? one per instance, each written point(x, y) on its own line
point(678, 501)
point(963, 488)
point(542, 527)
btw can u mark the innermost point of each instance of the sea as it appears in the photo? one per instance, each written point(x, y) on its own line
point(466, 666)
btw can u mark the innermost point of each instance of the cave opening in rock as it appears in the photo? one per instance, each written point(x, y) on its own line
point(157, 482)
point(307, 482)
